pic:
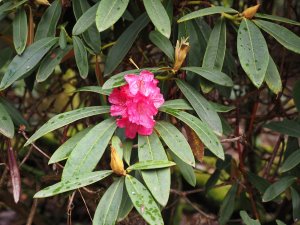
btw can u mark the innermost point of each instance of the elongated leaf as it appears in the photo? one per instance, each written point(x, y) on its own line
point(284, 36)
point(85, 20)
point(48, 64)
point(66, 118)
point(272, 77)
point(127, 148)
point(288, 127)
point(116, 143)
point(296, 204)
point(95, 89)
point(277, 188)
point(73, 183)
point(247, 219)
point(6, 55)
point(292, 161)
point(15, 5)
point(150, 165)
point(21, 65)
point(124, 43)
point(143, 201)
point(216, 47)
point(202, 107)
point(206, 12)
point(276, 18)
point(48, 22)
point(158, 16)
point(204, 132)
point(227, 206)
point(66, 148)
point(126, 205)
point(175, 141)
point(212, 75)
point(258, 182)
point(6, 123)
point(62, 38)
point(162, 43)
point(81, 57)
point(279, 222)
point(157, 181)
point(296, 94)
point(14, 174)
point(253, 51)
point(108, 13)
point(20, 30)
point(177, 104)
point(89, 149)
point(4, 8)
point(109, 205)
point(221, 108)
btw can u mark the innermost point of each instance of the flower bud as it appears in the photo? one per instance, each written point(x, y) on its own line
point(116, 162)
point(42, 2)
point(181, 50)
point(250, 12)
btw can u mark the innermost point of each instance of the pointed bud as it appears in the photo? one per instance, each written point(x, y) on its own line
point(116, 162)
point(42, 2)
point(250, 12)
point(181, 50)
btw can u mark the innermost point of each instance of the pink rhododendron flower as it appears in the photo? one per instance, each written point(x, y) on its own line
point(136, 104)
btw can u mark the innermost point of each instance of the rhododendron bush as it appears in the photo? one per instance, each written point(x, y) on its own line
point(157, 112)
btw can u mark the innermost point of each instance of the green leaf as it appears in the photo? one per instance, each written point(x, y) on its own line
point(15, 5)
point(292, 161)
point(89, 149)
point(143, 201)
point(277, 188)
point(109, 12)
point(284, 36)
point(276, 18)
point(6, 55)
point(127, 148)
point(186, 170)
point(73, 183)
point(272, 77)
point(206, 12)
point(202, 107)
point(109, 205)
point(175, 141)
point(204, 132)
point(6, 123)
point(252, 51)
point(279, 222)
point(4, 8)
point(216, 47)
point(157, 181)
point(20, 65)
point(95, 89)
point(20, 30)
point(150, 165)
point(258, 182)
point(66, 148)
point(124, 43)
point(248, 220)
point(66, 118)
point(85, 20)
point(163, 43)
point(288, 127)
point(48, 64)
point(126, 205)
point(212, 75)
point(221, 108)
point(48, 22)
point(62, 38)
point(228, 204)
point(81, 57)
point(158, 16)
point(116, 143)
point(296, 94)
point(296, 204)
point(177, 104)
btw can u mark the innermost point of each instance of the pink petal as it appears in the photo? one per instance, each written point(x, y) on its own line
point(145, 131)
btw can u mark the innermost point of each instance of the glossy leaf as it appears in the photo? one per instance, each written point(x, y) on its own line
point(292, 161)
point(157, 181)
point(124, 43)
point(89, 149)
point(288, 127)
point(227, 206)
point(252, 51)
point(150, 165)
point(276, 18)
point(66, 118)
point(284, 36)
point(108, 13)
point(143, 201)
point(206, 12)
point(73, 183)
point(177, 104)
point(202, 107)
point(175, 141)
point(247, 219)
point(6, 123)
point(20, 30)
point(272, 77)
point(163, 43)
point(277, 188)
point(20, 65)
point(206, 135)
point(48, 22)
point(95, 89)
point(126, 206)
point(81, 57)
point(109, 205)
point(296, 94)
point(62, 38)
point(296, 204)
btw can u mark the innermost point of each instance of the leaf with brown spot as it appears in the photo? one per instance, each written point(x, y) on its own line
point(251, 11)
point(196, 144)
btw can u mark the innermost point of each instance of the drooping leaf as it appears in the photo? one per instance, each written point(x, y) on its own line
point(276, 18)
point(66, 118)
point(247, 219)
point(21, 65)
point(95, 89)
point(150, 165)
point(6, 123)
point(272, 77)
point(162, 43)
point(228, 204)
point(20, 30)
point(277, 188)
point(143, 201)
point(108, 13)
point(177, 104)
point(296, 204)
point(292, 161)
point(73, 183)
point(109, 205)
point(252, 51)
point(288, 127)
point(89, 149)
point(81, 57)
point(48, 22)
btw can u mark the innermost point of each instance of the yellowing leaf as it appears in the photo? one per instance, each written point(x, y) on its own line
point(116, 162)
point(251, 11)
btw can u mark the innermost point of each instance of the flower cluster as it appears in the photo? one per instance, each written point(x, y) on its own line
point(136, 103)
